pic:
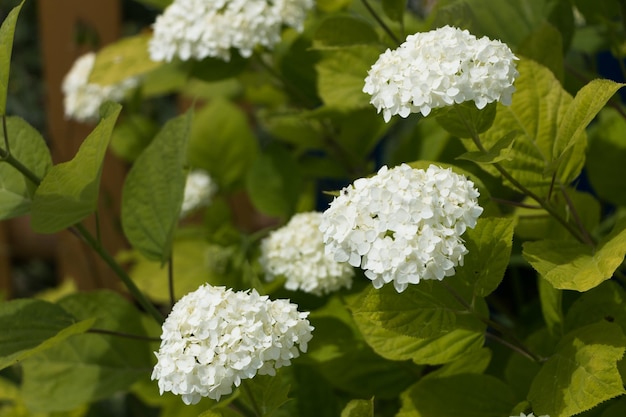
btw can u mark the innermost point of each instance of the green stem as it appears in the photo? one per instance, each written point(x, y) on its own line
point(380, 22)
point(119, 271)
point(545, 205)
point(585, 234)
point(6, 135)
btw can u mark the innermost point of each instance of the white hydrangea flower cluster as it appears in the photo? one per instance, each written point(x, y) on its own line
point(215, 337)
point(296, 251)
point(210, 28)
point(199, 189)
point(438, 69)
point(403, 224)
point(530, 415)
point(82, 99)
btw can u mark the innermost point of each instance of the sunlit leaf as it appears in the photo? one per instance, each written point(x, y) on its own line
point(69, 191)
point(359, 408)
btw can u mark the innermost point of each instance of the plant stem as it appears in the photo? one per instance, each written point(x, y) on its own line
point(6, 135)
point(125, 335)
point(585, 234)
point(119, 271)
point(545, 205)
point(380, 22)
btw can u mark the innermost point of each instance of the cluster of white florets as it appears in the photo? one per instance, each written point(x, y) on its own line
point(82, 99)
point(403, 224)
point(529, 415)
point(199, 190)
point(196, 29)
point(296, 251)
point(215, 337)
point(438, 69)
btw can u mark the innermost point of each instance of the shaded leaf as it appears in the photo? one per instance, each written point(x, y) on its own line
point(394, 9)
point(500, 151)
point(29, 147)
point(551, 301)
point(343, 30)
point(269, 392)
point(465, 120)
point(69, 191)
point(359, 408)
point(153, 190)
point(570, 265)
point(465, 395)
point(581, 373)
point(7, 30)
point(89, 367)
point(545, 46)
point(30, 326)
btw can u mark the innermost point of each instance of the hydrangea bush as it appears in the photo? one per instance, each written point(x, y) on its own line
point(372, 208)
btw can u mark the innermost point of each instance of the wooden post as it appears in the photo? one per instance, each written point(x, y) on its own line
point(62, 23)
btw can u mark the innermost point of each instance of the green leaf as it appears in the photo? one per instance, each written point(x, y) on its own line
point(7, 30)
point(545, 46)
point(222, 143)
point(69, 191)
point(132, 135)
point(569, 265)
point(341, 76)
point(500, 151)
point(29, 147)
point(269, 392)
point(582, 372)
point(571, 131)
point(489, 245)
point(89, 367)
point(329, 6)
point(475, 362)
point(154, 188)
point(30, 326)
point(538, 106)
point(465, 120)
point(215, 69)
point(159, 4)
point(343, 30)
point(606, 156)
point(359, 408)
point(425, 323)
point(465, 395)
point(126, 58)
point(274, 183)
point(394, 9)
point(551, 301)
point(604, 302)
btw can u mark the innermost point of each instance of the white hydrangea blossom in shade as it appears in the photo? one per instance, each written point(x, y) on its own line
point(296, 251)
point(196, 29)
point(214, 337)
point(438, 69)
point(199, 189)
point(403, 224)
point(82, 99)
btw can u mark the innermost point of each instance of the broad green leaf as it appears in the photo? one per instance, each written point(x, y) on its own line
point(89, 367)
point(340, 354)
point(581, 373)
point(465, 120)
point(500, 151)
point(476, 362)
point(539, 104)
point(153, 190)
point(596, 11)
point(359, 131)
point(569, 265)
point(606, 156)
point(222, 143)
point(274, 183)
point(126, 58)
point(7, 30)
point(69, 191)
point(359, 408)
point(604, 302)
point(297, 67)
point(571, 131)
point(332, 5)
point(341, 76)
point(545, 46)
point(394, 9)
point(425, 323)
point(617, 409)
point(465, 395)
point(343, 30)
point(551, 305)
point(132, 135)
point(269, 392)
point(30, 326)
point(220, 412)
point(29, 147)
point(215, 69)
point(489, 245)
point(294, 129)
